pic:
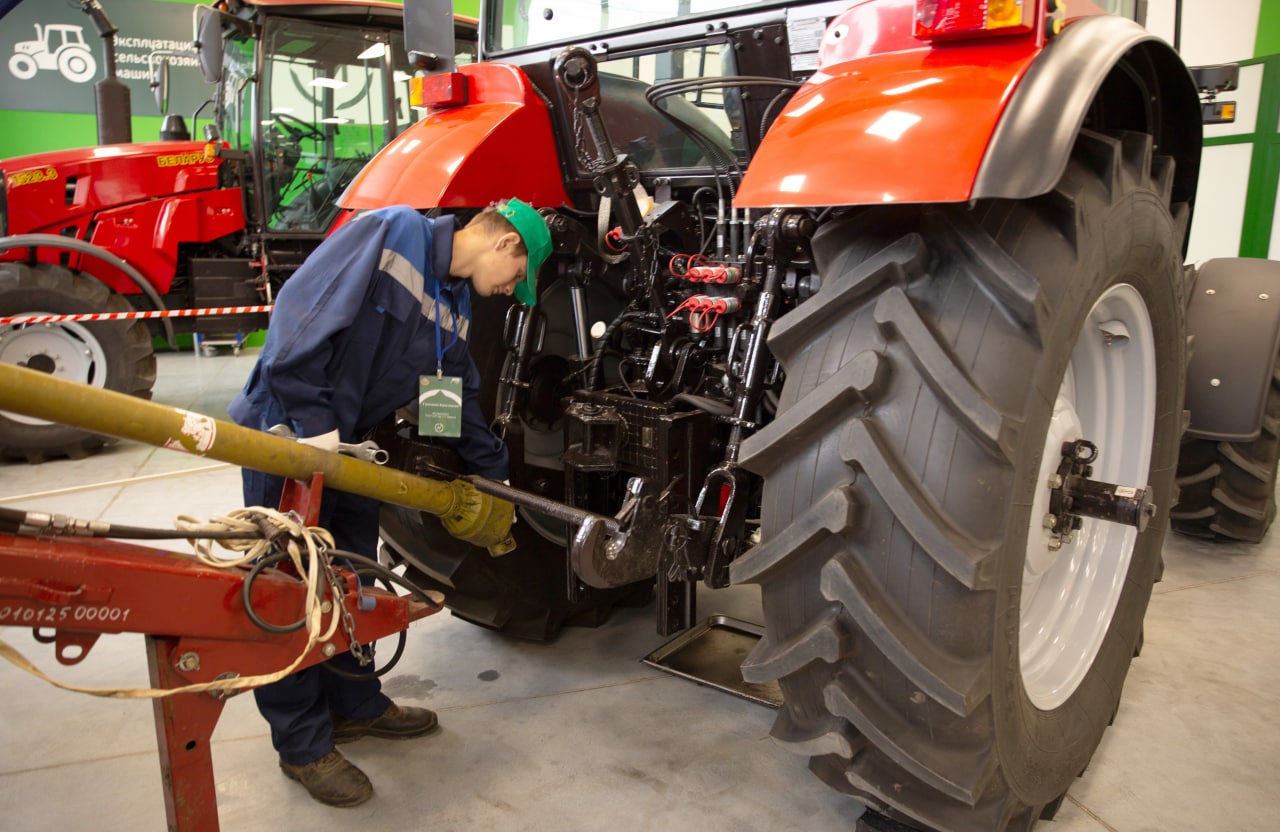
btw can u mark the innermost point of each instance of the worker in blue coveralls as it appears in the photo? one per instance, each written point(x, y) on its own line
point(382, 303)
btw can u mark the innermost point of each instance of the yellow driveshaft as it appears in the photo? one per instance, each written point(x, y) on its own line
point(478, 518)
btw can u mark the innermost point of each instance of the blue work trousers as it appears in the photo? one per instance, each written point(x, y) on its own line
point(299, 707)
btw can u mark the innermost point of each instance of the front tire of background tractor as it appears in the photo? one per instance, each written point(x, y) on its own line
point(115, 355)
point(1227, 490)
point(939, 662)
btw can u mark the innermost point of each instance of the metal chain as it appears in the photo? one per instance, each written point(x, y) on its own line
point(677, 543)
point(653, 263)
point(579, 143)
point(338, 591)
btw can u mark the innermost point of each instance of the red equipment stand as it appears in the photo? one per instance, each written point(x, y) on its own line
point(196, 630)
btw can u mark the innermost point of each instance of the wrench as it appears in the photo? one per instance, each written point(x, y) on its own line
point(367, 450)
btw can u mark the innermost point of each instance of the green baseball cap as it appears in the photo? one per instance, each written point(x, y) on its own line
point(529, 224)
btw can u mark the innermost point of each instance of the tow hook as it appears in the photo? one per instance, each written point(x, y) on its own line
point(1073, 496)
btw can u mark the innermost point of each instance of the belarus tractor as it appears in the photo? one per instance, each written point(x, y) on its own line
point(880, 306)
point(303, 95)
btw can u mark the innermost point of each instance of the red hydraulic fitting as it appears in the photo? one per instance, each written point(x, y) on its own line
point(715, 274)
point(706, 303)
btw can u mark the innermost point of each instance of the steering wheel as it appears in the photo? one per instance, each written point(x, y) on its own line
point(296, 128)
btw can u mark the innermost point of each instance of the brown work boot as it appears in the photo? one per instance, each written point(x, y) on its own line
point(332, 780)
point(396, 723)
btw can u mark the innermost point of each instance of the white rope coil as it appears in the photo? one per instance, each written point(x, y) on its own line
point(295, 538)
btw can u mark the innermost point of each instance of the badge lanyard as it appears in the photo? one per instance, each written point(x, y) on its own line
point(440, 396)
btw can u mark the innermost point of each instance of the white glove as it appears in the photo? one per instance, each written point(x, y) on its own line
point(325, 441)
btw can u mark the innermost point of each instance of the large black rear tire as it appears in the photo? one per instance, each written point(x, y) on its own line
point(900, 517)
point(115, 355)
point(1227, 490)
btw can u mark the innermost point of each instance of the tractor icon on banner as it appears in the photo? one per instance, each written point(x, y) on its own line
point(57, 46)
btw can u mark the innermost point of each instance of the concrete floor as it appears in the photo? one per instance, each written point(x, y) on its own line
point(579, 734)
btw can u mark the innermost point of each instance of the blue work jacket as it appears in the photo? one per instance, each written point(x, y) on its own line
point(354, 328)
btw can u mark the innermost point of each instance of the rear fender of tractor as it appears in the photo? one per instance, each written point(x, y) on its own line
point(848, 138)
point(1078, 79)
point(499, 143)
point(1233, 318)
point(956, 123)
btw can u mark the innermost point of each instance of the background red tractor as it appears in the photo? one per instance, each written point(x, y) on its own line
point(302, 96)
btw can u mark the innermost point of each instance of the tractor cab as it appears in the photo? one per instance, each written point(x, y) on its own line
point(305, 102)
point(677, 102)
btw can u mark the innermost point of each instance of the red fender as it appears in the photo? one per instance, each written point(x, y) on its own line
point(499, 145)
point(890, 118)
point(900, 127)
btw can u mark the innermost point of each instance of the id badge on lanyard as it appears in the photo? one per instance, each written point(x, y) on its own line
point(440, 396)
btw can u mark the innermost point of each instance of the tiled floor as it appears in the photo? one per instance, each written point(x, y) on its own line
point(579, 735)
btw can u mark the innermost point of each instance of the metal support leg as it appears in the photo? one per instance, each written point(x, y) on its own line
point(184, 728)
point(677, 605)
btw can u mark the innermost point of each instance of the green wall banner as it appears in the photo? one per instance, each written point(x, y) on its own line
point(51, 56)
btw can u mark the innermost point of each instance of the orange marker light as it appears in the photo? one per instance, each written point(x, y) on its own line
point(438, 91)
point(944, 19)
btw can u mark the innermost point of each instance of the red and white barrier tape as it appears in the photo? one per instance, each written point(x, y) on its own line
point(132, 316)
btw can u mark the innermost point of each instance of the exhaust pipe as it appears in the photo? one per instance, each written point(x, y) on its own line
point(110, 95)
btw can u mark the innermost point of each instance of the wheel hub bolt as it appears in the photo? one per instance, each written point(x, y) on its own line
point(1073, 495)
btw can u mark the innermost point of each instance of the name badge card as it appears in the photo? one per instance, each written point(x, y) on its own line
point(440, 406)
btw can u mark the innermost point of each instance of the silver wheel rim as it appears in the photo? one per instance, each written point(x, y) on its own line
point(66, 350)
point(1069, 596)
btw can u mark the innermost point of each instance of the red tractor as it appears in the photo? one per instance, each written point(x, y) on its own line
point(304, 94)
point(878, 305)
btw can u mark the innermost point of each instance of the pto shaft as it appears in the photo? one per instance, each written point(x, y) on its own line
point(468, 514)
